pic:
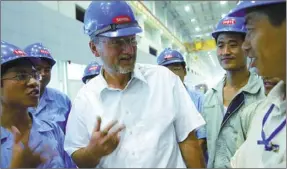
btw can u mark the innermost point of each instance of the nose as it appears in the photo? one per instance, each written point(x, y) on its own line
point(42, 72)
point(224, 51)
point(246, 47)
point(128, 49)
point(33, 82)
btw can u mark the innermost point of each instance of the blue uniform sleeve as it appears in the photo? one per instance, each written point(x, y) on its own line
point(201, 132)
point(59, 135)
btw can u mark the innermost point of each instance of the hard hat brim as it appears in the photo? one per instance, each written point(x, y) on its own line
point(32, 59)
point(171, 62)
point(216, 33)
point(240, 11)
point(51, 61)
point(123, 32)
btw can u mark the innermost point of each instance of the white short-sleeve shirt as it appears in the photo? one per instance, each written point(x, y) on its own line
point(155, 108)
point(253, 155)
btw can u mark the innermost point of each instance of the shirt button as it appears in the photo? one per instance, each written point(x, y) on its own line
point(131, 132)
point(127, 112)
point(133, 153)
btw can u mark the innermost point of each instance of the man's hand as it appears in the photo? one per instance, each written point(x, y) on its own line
point(25, 157)
point(102, 143)
point(191, 152)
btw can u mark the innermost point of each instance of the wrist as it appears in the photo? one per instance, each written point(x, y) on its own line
point(93, 157)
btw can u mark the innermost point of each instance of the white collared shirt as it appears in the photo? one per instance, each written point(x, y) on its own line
point(253, 155)
point(155, 108)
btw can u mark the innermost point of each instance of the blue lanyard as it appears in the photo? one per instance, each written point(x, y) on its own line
point(268, 145)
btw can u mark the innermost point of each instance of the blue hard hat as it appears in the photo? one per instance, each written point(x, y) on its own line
point(110, 19)
point(169, 56)
point(40, 51)
point(239, 10)
point(11, 53)
point(230, 24)
point(93, 69)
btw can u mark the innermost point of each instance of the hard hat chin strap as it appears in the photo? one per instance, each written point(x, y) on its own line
point(114, 27)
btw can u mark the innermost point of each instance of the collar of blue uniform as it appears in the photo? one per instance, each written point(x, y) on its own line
point(46, 95)
point(253, 85)
point(38, 125)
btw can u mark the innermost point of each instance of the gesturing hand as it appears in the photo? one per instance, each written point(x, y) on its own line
point(104, 142)
point(24, 157)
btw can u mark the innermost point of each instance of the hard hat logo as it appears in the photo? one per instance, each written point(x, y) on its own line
point(44, 52)
point(121, 19)
point(168, 57)
point(93, 68)
point(19, 52)
point(229, 22)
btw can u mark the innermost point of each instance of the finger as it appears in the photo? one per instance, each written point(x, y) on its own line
point(110, 139)
point(98, 125)
point(119, 129)
point(110, 125)
point(17, 135)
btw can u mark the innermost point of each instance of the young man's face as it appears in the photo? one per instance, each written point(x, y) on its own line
point(229, 52)
point(266, 45)
point(44, 67)
point(178, 69)
point(18, 88)
point(117, 54)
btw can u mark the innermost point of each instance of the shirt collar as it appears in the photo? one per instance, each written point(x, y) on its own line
point(37, 125)
point(46, 95)
point(276, 96)
point(253, 85)
point(100, 83)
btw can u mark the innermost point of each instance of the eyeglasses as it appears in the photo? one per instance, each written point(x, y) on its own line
point(25, 76)
point(116, 43)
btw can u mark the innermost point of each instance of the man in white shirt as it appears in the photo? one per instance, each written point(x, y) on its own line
point(155, 114)
point(265, 43)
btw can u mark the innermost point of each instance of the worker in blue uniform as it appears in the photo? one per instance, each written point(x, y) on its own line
point(26, 141)
point(54, 105)
point(174, 61)
point(92, 70)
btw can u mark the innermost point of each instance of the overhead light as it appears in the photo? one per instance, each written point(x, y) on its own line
point(186, 8)
point(223, 2)
point(223, 15)
point(197, 29)
point(192, 20)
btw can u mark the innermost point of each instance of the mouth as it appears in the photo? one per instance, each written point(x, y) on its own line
point(269, 84)
point(227, 58)
point(126, 59)
point(34, 93)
